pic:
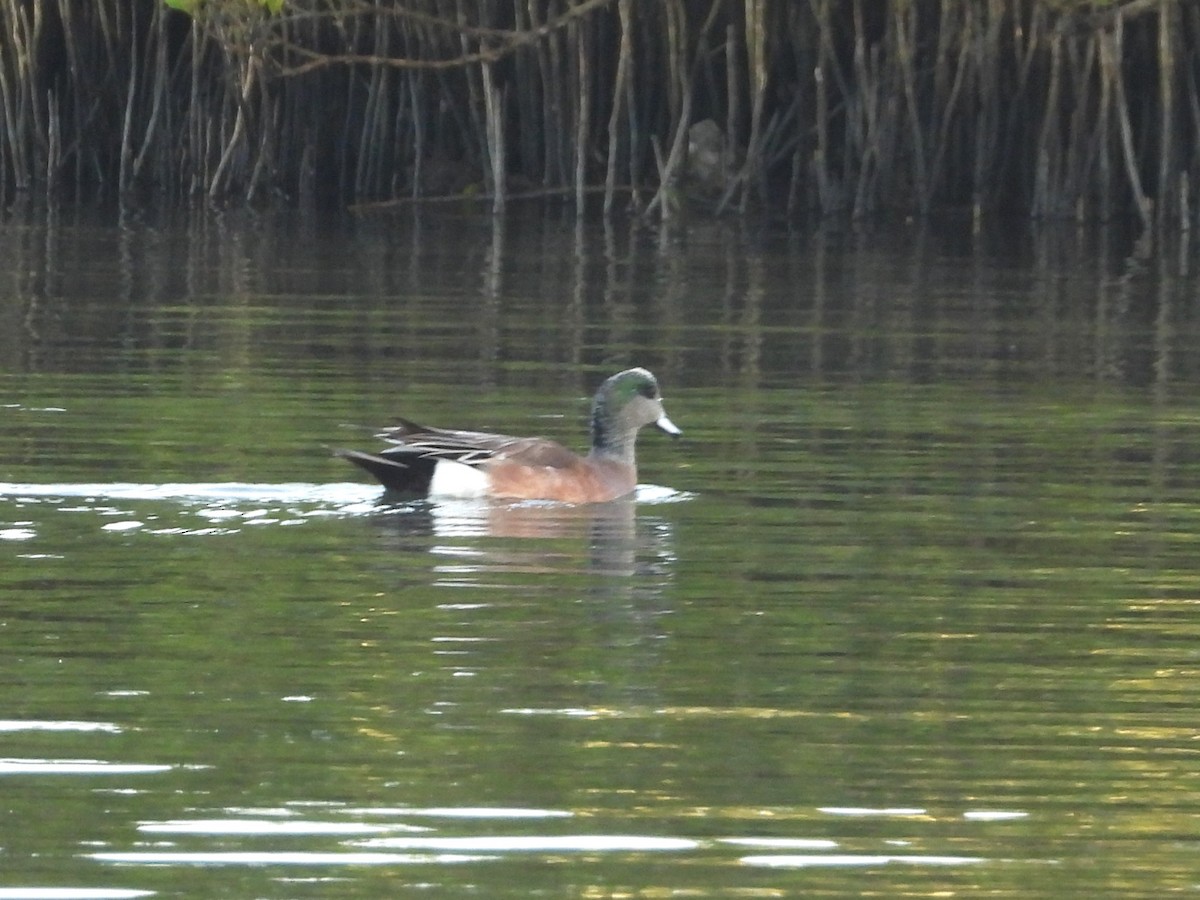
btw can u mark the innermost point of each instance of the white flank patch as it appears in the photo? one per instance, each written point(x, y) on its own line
point(453, 479)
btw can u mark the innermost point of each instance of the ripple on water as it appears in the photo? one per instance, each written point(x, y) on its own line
point(227, 507)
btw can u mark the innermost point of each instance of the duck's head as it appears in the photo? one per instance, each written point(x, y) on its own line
point(623, 404)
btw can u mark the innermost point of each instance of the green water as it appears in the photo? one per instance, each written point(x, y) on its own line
point(910, 610)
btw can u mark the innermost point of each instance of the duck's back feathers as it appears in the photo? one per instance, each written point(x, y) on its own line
point(424, 461)
point(473, 448)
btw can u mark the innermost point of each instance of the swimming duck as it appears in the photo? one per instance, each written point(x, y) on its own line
point(438, 462)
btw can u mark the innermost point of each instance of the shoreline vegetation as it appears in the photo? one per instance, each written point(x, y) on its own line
point(1053, 109)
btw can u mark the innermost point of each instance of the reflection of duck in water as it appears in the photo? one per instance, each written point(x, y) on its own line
point(436, 462)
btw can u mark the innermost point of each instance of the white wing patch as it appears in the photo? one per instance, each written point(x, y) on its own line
point(455, 479)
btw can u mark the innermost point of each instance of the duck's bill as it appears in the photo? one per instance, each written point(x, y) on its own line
point(666, 425)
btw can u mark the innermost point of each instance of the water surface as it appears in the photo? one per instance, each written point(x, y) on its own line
point(910, 610)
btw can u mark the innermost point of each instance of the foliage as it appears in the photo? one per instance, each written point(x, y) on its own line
point(1054, 108)
point(196, 7)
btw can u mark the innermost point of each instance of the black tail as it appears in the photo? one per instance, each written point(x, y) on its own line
point(410, 477)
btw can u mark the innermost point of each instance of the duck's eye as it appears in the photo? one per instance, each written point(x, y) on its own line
point(647, 391)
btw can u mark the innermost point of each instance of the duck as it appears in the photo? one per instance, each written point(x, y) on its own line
point(441, 463)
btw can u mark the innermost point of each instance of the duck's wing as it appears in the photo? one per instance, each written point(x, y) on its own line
point(473, 448)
